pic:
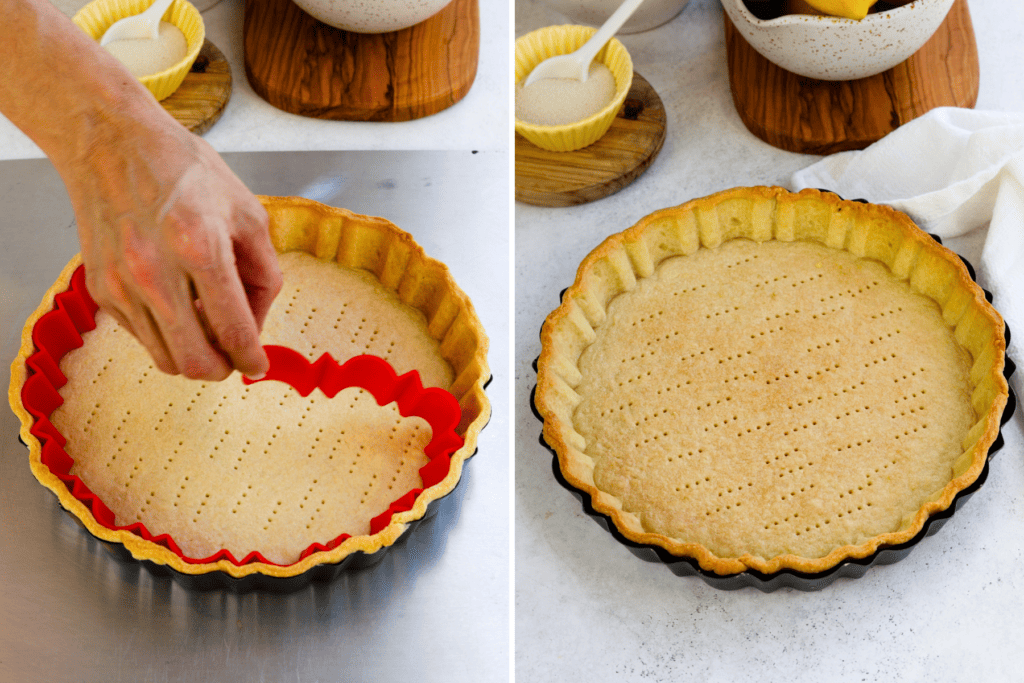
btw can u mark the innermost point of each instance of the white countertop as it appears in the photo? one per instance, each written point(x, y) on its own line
point(249, 124)
point(587, 609)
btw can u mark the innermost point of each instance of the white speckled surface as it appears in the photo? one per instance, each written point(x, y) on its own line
point(587, 609)
point(651, 14)
point(479, 121)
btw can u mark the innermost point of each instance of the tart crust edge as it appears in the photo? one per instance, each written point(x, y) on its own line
point(866, 230)
point(401, 265)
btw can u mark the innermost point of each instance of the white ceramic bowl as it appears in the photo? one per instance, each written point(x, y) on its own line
point(650, 14)
point(372, 16)
point(836, 49)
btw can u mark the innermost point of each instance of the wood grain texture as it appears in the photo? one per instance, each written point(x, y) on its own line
point(200, 99)
point(617, 159)
point(306, 67)
point(822, 117)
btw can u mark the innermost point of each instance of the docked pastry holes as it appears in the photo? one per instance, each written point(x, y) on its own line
point(777, 434)
point(772, 399)
point(214, 464)
point(322, 307)
point(223, 481)
point(416, 296)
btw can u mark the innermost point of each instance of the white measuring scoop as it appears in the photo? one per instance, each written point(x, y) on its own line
point(576, 65)
point(143, 25)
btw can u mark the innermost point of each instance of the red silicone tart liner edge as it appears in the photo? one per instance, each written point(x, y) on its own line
point(147, 550)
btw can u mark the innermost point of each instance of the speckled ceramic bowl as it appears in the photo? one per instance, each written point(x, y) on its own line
point(836, 49)
point(372, 16)
point(651, 14)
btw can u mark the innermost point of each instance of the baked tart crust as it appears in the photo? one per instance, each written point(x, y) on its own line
point(386, 260)
point(766, 380)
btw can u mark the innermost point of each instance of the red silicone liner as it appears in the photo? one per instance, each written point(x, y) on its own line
point(60, 330)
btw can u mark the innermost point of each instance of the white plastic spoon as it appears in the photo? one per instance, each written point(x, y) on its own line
point(143, 25)
point(576, 64)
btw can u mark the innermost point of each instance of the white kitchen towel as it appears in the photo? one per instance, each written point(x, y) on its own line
point(952, 171)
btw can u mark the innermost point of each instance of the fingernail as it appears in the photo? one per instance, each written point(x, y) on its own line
point(256, 378)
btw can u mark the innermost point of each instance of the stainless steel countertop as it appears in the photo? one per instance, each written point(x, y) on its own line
point(436, 608)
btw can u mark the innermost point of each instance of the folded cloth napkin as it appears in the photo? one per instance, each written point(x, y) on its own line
point(952, 171)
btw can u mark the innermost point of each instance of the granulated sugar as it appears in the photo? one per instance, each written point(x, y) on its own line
point(557, 101)
point(145, 56)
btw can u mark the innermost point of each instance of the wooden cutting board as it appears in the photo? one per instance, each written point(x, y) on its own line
point(200, 99)
point(617, 159)
point(822, 117)
point(306, 67)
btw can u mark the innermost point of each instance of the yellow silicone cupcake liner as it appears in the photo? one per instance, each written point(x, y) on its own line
point(96, 17)
point(535, 47)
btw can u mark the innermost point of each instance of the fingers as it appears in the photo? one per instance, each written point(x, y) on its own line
point(192, 311)
point(257, 266)
point(146, 331)
point(223, 303)
point(198, 340)
point(188, 340)
point(179, 342)
point(163, 284)
point(206, 256)
point(166, 322)
point(183, 255)
point(112, 296)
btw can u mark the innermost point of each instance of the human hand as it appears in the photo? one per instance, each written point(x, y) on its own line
point(175, 247)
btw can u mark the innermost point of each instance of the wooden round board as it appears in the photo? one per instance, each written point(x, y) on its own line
point(306, 67)
point(809, 116)
point(200, 99)
point(548, 178)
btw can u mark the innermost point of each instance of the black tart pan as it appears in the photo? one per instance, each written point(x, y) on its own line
point(766, 583)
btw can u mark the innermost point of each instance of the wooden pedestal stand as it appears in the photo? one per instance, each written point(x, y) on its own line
point(306, 67)
point(822, 117)
point(200, 99)
point(631, 144)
